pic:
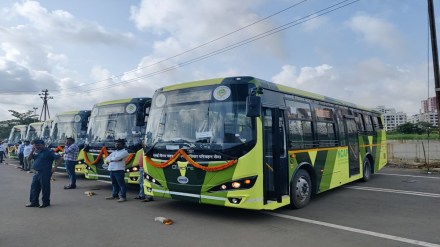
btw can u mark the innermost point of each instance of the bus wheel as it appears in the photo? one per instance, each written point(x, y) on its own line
point(301, 189)
point(367, 170)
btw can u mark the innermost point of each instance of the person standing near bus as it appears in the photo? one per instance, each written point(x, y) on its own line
point(26, 152)
point(43, 158)
point(70, 154)
point(141, 195)
point(116, 167)
point(20, 155)
point(5, 147)
point(2, 152)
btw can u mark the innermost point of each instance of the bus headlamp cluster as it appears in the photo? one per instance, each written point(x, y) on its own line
point(239, 184)
point(150, 179)
point(132, 169)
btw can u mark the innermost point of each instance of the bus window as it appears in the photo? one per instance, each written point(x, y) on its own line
point(342, 134)
point(326, 134)
point(300, 125)
point(377, 121)
point(300, 134)
point(325, 126)
point(359, 121)
point(368, 124)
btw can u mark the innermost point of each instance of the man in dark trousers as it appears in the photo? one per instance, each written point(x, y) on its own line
point(43, 158)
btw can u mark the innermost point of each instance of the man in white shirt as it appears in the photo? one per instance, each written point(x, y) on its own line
point(116, 167)
point(26, 151)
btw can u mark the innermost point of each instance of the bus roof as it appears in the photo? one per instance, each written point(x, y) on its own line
point(265, 85)
point(72, 112)
point(36, 123)
point(120, 101)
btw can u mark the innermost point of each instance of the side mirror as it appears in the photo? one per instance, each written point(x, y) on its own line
point(253, 106)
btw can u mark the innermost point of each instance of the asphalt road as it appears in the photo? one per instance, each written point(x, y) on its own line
point(396, 208)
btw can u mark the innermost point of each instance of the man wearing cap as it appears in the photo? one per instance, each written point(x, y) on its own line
point(116, 167)
point(43, 158)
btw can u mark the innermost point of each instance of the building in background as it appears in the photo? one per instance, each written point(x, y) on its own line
point(392, 118)
point(428, 112)
point(429, 105)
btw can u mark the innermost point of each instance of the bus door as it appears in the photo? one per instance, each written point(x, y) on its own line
point(275, 155)
point(353, 145)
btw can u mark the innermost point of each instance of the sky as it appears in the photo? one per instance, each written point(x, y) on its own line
point(369, 52)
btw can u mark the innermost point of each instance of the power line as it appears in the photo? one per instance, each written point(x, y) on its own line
point(182, 53)
point(288, 25)
point(273, 31)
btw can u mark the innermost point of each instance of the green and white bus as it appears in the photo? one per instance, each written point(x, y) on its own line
point(18, 133)
point(69, 124)
point(34, 131)
point(247, 143)
point(45, 133)
point(110, 121)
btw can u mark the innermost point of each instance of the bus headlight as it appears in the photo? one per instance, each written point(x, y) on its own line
point(243, 183)
point(150, 179)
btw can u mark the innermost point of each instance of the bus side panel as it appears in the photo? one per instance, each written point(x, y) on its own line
point(380, 155)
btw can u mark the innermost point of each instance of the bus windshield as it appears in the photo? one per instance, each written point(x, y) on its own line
point(63, 127)
point(194, 120)
point(17, 134)
point(34, 131)
point(112, 122)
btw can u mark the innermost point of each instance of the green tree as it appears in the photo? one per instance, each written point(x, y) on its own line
point(19, 118)
point(426, 127)
point(408, 128)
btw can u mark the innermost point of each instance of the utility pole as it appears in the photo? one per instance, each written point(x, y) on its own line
point(44, 95)
point(434, 58)
point(35, 113)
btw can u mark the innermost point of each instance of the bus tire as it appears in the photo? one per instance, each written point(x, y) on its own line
point(301, 189)
point(366, 171)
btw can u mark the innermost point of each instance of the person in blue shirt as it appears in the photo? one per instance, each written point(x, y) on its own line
point(43, 158)
point(21, 155)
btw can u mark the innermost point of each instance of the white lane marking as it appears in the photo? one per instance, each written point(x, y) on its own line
point(402, 175)
point(414, 193)
point(350, 229)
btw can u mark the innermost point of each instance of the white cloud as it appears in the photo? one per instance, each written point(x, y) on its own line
point(368, 83)
point(63, 26)
point(181, 26)
point(377, 32)
point(289, 77)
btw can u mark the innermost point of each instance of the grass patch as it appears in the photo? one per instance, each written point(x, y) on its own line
point(433, 136)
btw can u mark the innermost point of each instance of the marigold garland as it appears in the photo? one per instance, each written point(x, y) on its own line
point(59, 148)
point(129, 158)
point(102, 152)
point(105, 153)
point(181, 152)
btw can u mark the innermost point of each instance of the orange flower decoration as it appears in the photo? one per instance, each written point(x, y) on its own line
point(105, 153)
point(181, 152)
point(101, 153)
point(58, 149)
